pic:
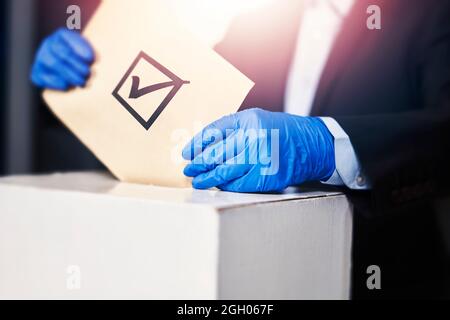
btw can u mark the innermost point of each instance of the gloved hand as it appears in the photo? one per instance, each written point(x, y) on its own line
point(260, 151)
point(63, 61)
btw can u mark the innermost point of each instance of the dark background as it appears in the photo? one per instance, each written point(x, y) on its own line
point(31, 139)
point(3, 41)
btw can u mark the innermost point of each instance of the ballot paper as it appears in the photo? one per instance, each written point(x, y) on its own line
point(153, 86)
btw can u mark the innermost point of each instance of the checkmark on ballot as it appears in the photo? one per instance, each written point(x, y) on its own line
point(139, 102)
point(138, 106)
point(137, 92)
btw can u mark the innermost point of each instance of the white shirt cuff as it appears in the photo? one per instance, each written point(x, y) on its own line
point(348, 169)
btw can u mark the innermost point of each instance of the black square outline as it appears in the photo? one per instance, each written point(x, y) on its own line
point(178, 83)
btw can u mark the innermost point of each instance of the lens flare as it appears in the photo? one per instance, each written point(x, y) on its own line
point(209, 19)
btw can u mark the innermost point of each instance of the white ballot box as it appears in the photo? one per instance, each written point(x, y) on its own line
point(88, 236)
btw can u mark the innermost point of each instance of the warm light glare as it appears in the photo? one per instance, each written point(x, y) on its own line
point(209, 19)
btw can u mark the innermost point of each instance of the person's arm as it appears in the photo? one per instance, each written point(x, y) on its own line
point(405, 155)
point(260, 151)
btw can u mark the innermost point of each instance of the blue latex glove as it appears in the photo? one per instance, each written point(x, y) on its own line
point(234, 154)
point(63, 61)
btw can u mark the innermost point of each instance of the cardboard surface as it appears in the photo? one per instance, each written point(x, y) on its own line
point(97, 183)
point(153, 86)
point(145, 242)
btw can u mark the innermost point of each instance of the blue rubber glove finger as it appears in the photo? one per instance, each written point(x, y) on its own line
point(230, 170)
point(65, 53)
point(79, 45)
point(47, 80)
point(65, 71)
point(253, 182)
point(193, 170)
point(238, 185)
point(215, 155)
point(234, 186)
point(212, 134)
point(222, 174)
point(46, 61)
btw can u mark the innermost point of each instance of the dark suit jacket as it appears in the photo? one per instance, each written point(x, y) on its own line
point(390, 91)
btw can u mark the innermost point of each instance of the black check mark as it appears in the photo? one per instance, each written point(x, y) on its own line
point(174, 81)
point(137, 92)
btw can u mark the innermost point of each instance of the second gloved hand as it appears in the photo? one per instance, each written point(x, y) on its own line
point(260, 151)
point(63, 61)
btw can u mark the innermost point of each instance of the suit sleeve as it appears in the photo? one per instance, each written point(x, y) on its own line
point(406, 155)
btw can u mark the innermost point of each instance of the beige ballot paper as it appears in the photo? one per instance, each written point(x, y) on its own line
point(153, 85)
